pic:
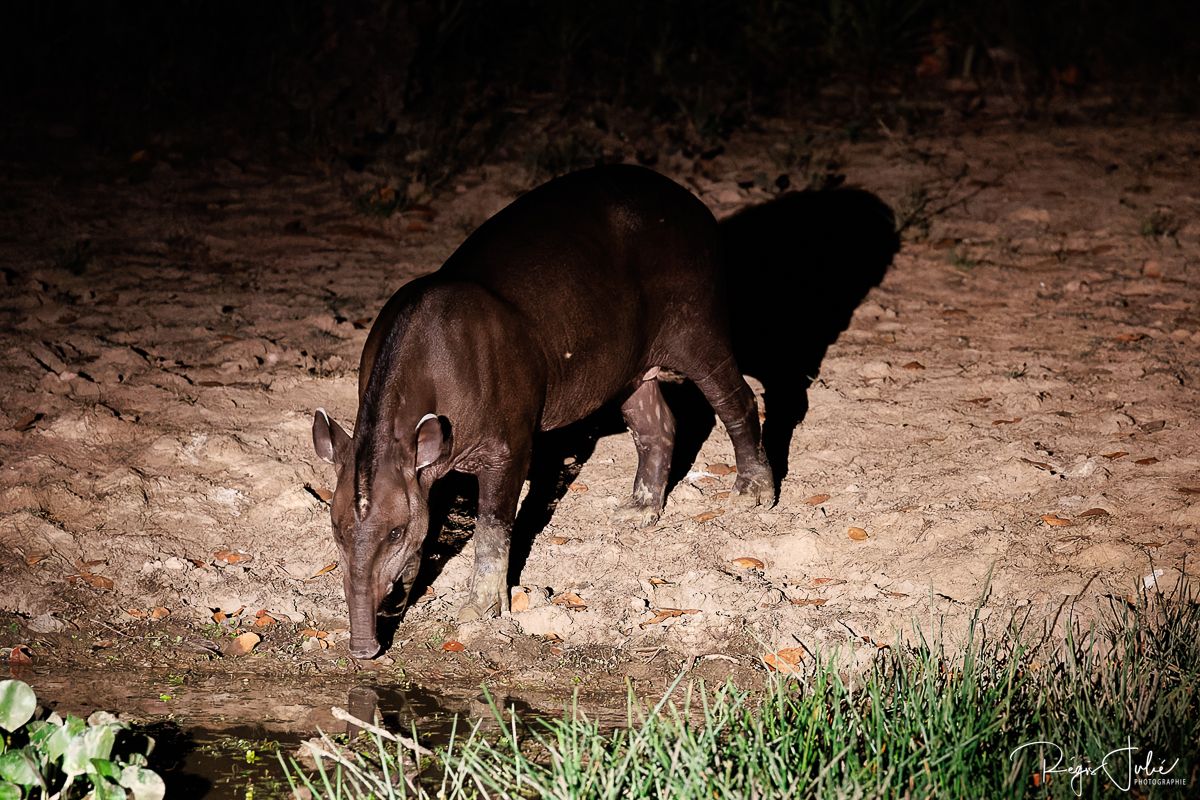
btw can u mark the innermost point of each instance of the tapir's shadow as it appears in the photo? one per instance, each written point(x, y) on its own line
point(797, 267)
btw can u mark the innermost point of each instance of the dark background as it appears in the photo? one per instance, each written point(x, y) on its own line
point(443, 84)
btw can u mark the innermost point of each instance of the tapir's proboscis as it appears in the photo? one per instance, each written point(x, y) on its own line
point(577, 294)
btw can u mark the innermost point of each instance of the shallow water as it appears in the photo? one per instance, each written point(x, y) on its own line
point(217, 736)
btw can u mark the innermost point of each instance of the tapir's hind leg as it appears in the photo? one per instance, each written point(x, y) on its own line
point(653, 428)
point(728, 394)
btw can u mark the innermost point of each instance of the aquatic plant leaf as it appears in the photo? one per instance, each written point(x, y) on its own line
point(17, 702)
point(145, 784)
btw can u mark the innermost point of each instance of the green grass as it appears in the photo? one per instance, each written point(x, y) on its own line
point(925, 720)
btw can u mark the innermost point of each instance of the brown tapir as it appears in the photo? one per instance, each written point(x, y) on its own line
point(576, 294)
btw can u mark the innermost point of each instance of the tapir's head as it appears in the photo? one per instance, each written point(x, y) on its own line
point(380, 510)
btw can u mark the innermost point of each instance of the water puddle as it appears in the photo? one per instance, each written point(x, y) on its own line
point(218, 736)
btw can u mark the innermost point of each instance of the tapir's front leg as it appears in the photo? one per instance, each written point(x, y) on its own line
point(499, 490)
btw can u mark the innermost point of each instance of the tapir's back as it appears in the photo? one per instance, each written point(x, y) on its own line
point(604, 265)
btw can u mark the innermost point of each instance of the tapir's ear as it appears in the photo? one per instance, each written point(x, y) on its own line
point(433, 439)
point(329, 440)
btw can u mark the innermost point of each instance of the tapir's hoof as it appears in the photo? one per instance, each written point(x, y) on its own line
point(754, 491)
point(364, 650)
point(635, 515)
point(474, 611)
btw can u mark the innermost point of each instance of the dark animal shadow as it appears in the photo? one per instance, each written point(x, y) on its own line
point(797, 267)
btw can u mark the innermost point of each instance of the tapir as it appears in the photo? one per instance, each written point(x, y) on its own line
point(579, 293)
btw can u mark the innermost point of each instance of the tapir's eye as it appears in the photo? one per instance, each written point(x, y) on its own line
point(394, 534)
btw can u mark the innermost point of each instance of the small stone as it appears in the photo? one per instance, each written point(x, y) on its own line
point(1151, 268)
point(176, 563)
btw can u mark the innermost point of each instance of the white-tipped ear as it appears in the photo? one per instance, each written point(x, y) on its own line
point(329, 440)
point(433, 439)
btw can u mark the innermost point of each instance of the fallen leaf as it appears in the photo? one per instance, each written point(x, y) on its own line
point(102, 644)
point(220, 616)
point(721, 496)
point(809, 601)
point(1042, 465)
point(1126, 338)
point(95, 581)
point(720, 469)
point(1190, 489)
point(979, 401)
point(559, 540)
point(747, 562)
point(243, 644)
point(954, 312)
point(233, 556)
point(1115, 454)
point(21, 654)
point(706, 482)
point(658, 582)
point(570, 600)
point(159, 612)
point(263, 620)
point(319, 492)
point(577, 487)
point(857, 534)
point(313, 633)
point(519, 603)
point(136, 613)
point(1094, 512)
point(1056, 521)
point(816, 499)
point(662, 614)
point(35, 558)
point(1145, 462)
point(826, 581)
point(551, 637)
point(1153, 426)
point(894, 594)
point(708, 515)
point(914, 365)
point(453, 647)
point(1012, 421)
point(785, 661)
point(330, 567)
point(27, 422)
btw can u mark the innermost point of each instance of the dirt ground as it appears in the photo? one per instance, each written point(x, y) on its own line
point(1013, 410)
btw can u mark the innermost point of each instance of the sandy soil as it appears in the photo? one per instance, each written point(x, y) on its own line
point(1034, 350)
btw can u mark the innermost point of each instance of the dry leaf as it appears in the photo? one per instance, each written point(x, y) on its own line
point(1153, 426)
point(559, 540)
point(243, 644)
point(1012, 421)
point(577, 487)
point(658, 582)
point(453, 647)
point(519, 603)
point(233, 556)
point(914, 365)
point(570, 600)
point(747, 562)
point(720, 469)
point(785, 661)
point(809, 601)
point(662, 614)
point(954, 312)
point(136, 613)
point(1115, 454)
point(551, 637)
point(1145, 462)
point(313, 633)
point(1094, 512)
point(159, 612)
point(1056, 521)
point(980, 401)
point(21, 654)
point(95, 581)
point(706, 482)
point(319, 492)
point(816, 499)
point(330, 567)
point(1190, 489)
point(102, 644)
point(827, 581)
point(1042, 465)
point(35, 558)
point(857, 534)
point(721, 496)
point(708, 515)
point(27, 422)
point(263, 620)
